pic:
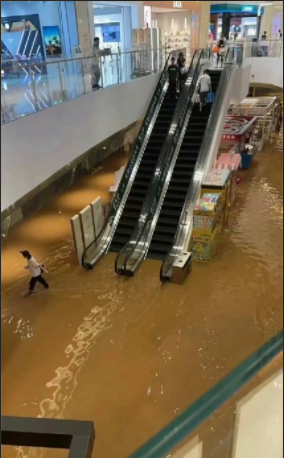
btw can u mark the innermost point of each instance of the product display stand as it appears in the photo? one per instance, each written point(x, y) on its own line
point(219, 181)
point(178, 41)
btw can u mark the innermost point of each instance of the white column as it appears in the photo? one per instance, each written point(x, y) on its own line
point(267, 21)
point(85, 21)
point(204, 24)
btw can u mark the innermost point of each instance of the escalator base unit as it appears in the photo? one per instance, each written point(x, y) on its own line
point(182, 268)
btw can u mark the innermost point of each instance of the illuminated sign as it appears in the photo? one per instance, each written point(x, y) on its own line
point(247, 9)
point(177, 4)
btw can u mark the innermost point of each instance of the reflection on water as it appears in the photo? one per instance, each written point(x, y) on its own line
point(131, 354)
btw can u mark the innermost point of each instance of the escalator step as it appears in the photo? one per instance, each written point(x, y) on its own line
point(132, 211)
point(125, 232)
point(168, 222)
point(165, 230)
point(120, 239)
point(159, 249)
point(162, 239)
point(125, 223)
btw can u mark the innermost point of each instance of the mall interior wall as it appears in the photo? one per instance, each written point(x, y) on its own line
point(261, 71)
point(272, 21)
point(137, 10)
point(34, 148)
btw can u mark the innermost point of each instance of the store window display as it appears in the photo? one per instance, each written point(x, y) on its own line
point(38, 30)
point(34, 34)
point(113, 26)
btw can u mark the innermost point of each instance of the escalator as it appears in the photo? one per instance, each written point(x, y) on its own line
point(127, 203)
point(133, 206)
point(183, 171)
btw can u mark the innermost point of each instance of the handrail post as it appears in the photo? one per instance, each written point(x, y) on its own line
point(31, 74)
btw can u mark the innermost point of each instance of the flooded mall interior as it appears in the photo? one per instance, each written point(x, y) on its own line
point(141, 229)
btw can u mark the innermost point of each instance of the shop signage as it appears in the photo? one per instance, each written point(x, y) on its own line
point(228, 137)
point(192, 6)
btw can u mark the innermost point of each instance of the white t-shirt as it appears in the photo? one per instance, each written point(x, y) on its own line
point(34, 266)
point(205, 83)
point(96, 55)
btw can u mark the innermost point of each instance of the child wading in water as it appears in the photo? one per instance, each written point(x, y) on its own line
point(36, 271)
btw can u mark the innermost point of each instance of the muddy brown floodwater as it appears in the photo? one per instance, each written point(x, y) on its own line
point(131, 354)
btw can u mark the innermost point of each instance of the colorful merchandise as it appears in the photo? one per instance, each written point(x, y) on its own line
point(203, 251)
point(208, 205)
point(219, 181)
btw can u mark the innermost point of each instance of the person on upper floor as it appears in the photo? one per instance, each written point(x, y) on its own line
point(264, 47)
point(96, 64)
point(264, 36)
point(222, 50)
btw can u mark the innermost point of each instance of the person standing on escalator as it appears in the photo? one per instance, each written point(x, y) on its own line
point(205, 86)
point(173, 72)
point(182, 70)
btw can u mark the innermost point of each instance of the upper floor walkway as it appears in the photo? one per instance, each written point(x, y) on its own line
point(28, 87)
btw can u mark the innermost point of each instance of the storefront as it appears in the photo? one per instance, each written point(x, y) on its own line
point(113, 23)
point(235, 21)
point(38, 30)
point(267, 110)
point(178, 21)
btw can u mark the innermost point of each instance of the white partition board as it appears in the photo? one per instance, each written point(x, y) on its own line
point(98, 215)
point(87, 224)
point(77, 237)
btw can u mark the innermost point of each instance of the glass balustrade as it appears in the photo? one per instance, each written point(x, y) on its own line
point(241, 417)
point(31, 86)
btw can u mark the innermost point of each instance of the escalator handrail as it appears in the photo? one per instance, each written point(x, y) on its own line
point(116, 203)
point(193, 190)
point(167, 151)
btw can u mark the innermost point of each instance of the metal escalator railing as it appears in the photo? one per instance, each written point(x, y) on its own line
point(98, 248)
point(185, 223)
point(136, 249)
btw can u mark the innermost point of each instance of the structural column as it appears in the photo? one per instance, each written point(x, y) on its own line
point(226, 20)
point(204, 24)
point(85, 23)
point(267, 22)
